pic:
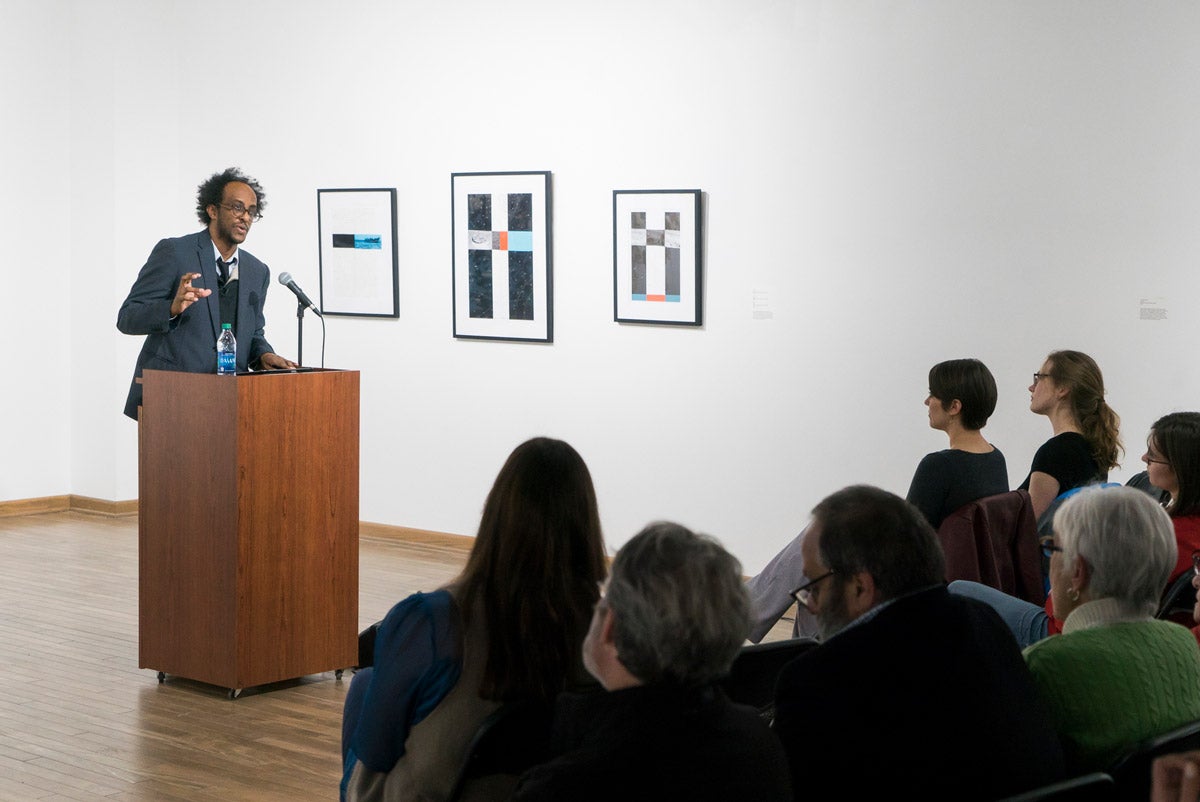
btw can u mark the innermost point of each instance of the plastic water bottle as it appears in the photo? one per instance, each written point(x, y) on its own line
point(226, 351)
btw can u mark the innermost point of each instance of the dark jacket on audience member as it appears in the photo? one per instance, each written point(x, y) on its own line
point(658, 742)
point(929, 699)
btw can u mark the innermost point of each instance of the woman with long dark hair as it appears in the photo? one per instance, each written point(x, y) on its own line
point(509, 627)
point(1173, 465)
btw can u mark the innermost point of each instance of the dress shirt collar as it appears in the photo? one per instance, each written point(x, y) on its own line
point(877, 609)
point(233, 262)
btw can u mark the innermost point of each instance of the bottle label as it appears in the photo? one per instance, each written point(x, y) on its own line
point(226, 362)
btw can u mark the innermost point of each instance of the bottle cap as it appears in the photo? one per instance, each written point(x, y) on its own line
point(227, 325)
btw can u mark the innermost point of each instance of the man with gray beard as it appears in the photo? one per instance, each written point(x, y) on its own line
point(913, 692)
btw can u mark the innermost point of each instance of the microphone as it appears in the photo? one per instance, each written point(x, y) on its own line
point(286, 280)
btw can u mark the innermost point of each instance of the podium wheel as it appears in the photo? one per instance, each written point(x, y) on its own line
point(337, 674)
point(161, 677)
point(235, 693)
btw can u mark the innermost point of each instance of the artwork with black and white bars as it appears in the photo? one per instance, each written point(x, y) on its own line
point(500, 226)
point(657, 257)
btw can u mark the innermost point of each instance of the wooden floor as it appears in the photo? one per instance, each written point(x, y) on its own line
point(80, 721)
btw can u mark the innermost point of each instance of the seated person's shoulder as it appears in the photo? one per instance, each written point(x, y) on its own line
point(434, 605)
point(417, 619)
point(978, 616)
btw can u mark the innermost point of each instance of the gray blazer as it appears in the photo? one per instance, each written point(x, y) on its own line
point(189, 341)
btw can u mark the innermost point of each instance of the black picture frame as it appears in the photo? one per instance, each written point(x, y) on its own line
point(658, 257)
point(502, 275)
point(358, 255)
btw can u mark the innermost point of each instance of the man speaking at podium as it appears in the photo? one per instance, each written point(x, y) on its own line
point(173, 303)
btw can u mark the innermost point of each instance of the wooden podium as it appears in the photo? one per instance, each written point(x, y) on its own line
point(248, 525)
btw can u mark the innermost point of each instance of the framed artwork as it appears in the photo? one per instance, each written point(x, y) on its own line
point(358, 257)
point(500, 226)
point(657, 256)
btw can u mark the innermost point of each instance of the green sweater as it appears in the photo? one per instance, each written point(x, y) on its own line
point(1111, 686)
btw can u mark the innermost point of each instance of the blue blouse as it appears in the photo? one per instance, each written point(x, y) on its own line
point(418, 660)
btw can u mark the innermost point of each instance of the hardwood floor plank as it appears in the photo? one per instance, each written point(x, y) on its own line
point(82, 722)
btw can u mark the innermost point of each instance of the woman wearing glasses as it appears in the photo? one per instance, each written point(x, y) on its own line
point(1173, 465)
point(1069, 390)
point(962, 396)
point(1115, 676)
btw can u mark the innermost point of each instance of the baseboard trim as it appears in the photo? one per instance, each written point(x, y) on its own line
point(98, 506)
point(69, 503)
point(34, 506)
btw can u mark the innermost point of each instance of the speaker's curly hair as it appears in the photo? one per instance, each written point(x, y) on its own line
point(212, 191)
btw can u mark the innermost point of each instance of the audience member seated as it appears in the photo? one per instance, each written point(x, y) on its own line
point(1196, 606)
point(1173, 466)
point(509, 627)
point(914, 693)
point(962, 396)
point(1069, 390)
point(1115, 676)
point(1176, 778)
point(669, 624)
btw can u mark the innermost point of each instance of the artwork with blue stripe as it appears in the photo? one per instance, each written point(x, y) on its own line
point(371, 242)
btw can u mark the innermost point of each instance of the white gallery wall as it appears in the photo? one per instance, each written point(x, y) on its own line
point(35, 281)
point(896, 183)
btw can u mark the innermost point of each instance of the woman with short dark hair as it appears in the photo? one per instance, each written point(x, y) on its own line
point(962, 396)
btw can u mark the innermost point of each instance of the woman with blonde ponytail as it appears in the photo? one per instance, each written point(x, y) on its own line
point(1069, 390)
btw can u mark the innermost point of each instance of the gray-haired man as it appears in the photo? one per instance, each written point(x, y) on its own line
point(673, 617)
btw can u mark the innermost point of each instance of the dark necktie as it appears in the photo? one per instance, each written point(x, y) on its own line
point(223, 270)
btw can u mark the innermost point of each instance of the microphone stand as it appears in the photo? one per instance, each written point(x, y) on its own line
point(300, 333)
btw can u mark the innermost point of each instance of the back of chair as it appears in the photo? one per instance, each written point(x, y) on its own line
point(1045, 521)
point(513, 738)
point(1095, 787)
point(1132, 771)
point(1142, 482)
point(752, 677)
point(993, 541)
point(1179, 598)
